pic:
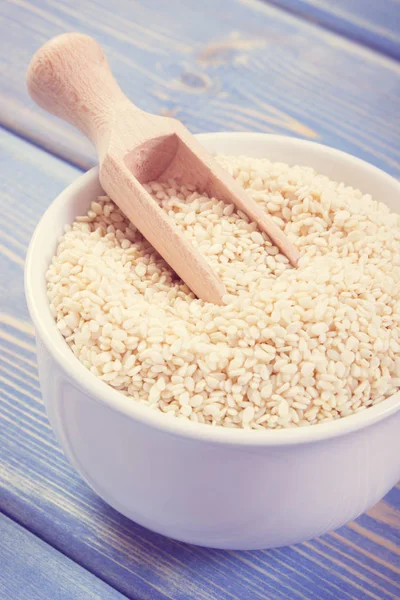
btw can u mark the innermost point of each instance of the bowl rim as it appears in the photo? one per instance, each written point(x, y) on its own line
point(101, 392)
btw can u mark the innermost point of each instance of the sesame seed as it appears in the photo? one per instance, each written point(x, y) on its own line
point(289, 348)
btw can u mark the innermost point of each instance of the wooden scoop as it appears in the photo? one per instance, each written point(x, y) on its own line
point(70, 77)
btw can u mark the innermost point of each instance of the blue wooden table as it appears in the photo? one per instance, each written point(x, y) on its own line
point(310, 68)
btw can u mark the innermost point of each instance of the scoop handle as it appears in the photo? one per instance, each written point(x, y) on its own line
point(69, 76)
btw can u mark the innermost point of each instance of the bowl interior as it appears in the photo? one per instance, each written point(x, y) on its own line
point(75, 200)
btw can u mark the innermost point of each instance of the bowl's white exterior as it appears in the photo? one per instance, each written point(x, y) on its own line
point(213, 486)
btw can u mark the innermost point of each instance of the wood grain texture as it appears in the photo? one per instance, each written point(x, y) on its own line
point(42, 492)
point(227, 65)
point(375, 24)
point(33, 570)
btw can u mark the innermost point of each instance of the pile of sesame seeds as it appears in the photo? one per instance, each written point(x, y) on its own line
point(290, 347)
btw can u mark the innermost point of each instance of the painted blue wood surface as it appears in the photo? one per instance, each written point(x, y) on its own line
point(30, 569)
point(40, 490)
point(373, 23)
point(216, 65)
point(230, 64)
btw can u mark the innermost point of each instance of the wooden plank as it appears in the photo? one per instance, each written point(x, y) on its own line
point(375, 24)
point(33, 570)
point(41, 491)
point(242, 65)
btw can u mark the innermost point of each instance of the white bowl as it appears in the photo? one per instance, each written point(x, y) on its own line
point(212, 486)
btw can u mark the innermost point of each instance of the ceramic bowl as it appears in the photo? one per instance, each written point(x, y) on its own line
point(213, 486)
